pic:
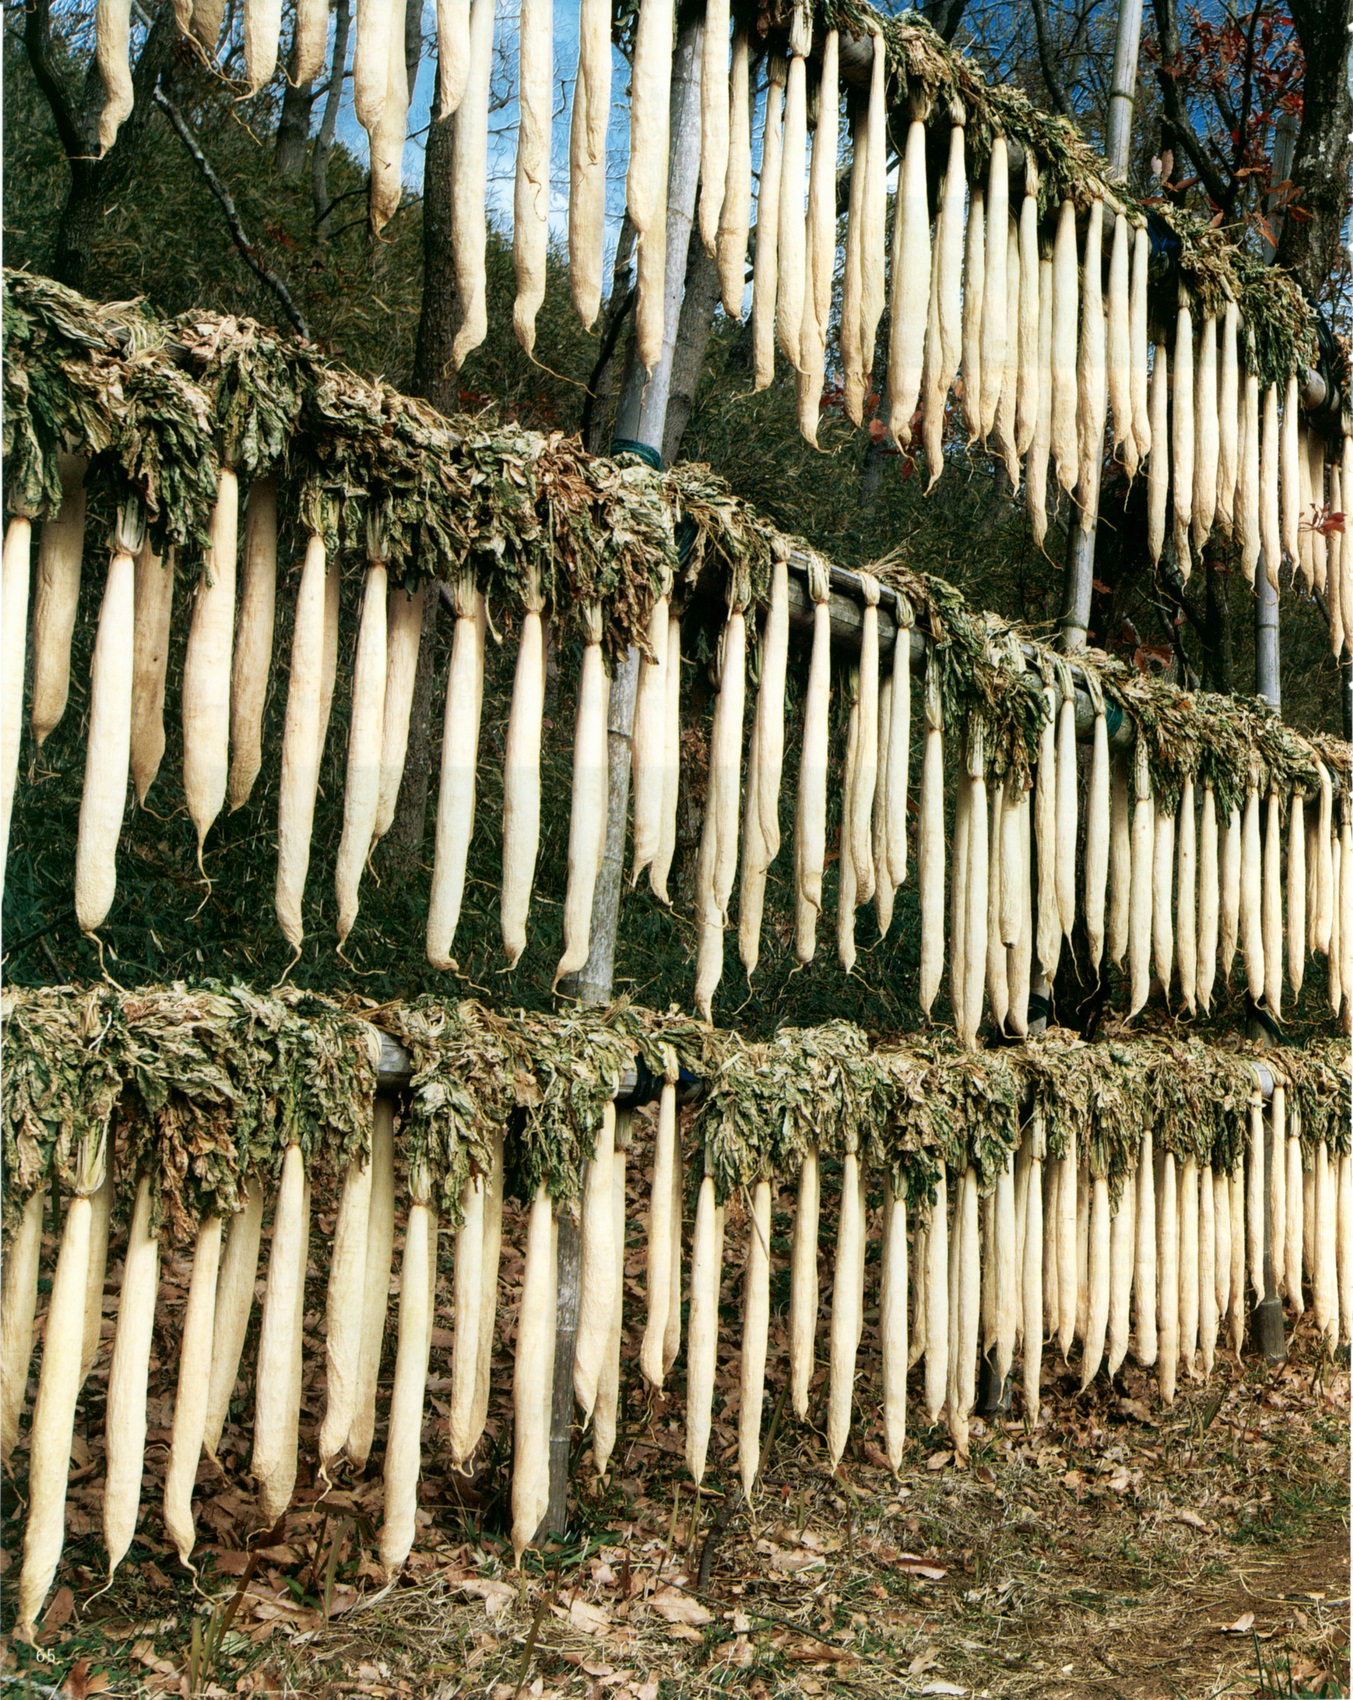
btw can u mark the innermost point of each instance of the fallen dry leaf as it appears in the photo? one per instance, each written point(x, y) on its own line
point(1242, 1625)
point(494, 1594)
point(677, 1607)
point(1192, 1519)
point(80, 1683)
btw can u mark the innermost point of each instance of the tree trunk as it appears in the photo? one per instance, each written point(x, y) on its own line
point(293, 128)
point(413, 42)
point(1324, 158)
point(1220, 666)
point(698, 303)
point(324, 142)
point(94, 182)
point(434, 376)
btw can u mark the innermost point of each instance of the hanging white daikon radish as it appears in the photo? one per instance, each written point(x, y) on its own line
point(853, 376)
point(1120, 861)
point(997, 984)
point(404, 630)
point(108, 747)
point(803, 1290)
point(659, 1238)
point(1167, 1294)
point(1068, 1283)
point(1158, 466)
point(719, 839)
point(1097, 828)
point(1036, 462)
point(1345, 892)
point(1083, 1195)
point(978, 874)
point(792, 232)
point(1324, 865)
point(958, 899)
point(1065, 315)
point(112, 55)
point(1315, 447)
point(1049, 931)
point(488, 1286)
point(252, 664)
point(277, 1391)
point(671, 1340)
point(1254, 1195)
point(469, 182)
point(1343, 1236)
point(1294, 1238)
point(1118, 344)
point(930, 853)
point(1251, 894)
point(845, 862)
point(1186, 896)
point(714, 120)
point(910, 284)
point(1005, 1274)
point(1206, 440)
point(1230, 892)
point(380, 1239)
point(1277, 1181)
point(995, 277)
point(650, 91)
point(18, 1309)
point(1228, 416)
point(893, 1322)
point(370, 60)
point(1207, 1264)
point(1271, 906)
point(1336, 932)
point(1236, 1314)
point(1097, 1320)
point(606, 1411)
point(969, 1309)
point(821, 240)
point(365, 736)
point(460, 752)
point(1029, 373)
point(1016, 872)
point(235, 1284)
point(521, 763)
point(403, 1451)
point(1221, 1214)
point(1144, 1281)
point(703, 1330)
point(1182, 431)
point(1270, 527)
point(1143, 883)
point(533, 1374)
point(1289, 477)
point(1139, 342)
point(14, 579)
point(649, 741)
point(1052, 1299)
point(1162, 896)
point(1121, 1246)
point(125, 1416)
point(468, 1296)
point(1312, 856)
point(1066, 805)
point(1031, 1295)
point(1247, 523)
point(974, 288)
point(1324, 1285)
point(300, 746)
point(755, 1326)
point(736, 211)
point(56, 597)
point(866, 762)
point(671, 761)
point(596, 1271)
point(811, 811)
point(387, 139)
point(895, 775)
point(190, 1398)
point(54, 1409)
point(1209, 896)
point(101, 1203)
point(874, 225)
point(453, 44)
point(154, 599)
point(531, 192)
point(206, 667)
point(1091, 393)
point(765, 263)
point(1188, 1263)
point(944, 317)
point(937, 1303)
point(1004, 422)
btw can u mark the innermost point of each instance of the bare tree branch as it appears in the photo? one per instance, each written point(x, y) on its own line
point(1056, 92)
point(1167, 29)
point(37, 36)
point(265, 275)
point(324, 141)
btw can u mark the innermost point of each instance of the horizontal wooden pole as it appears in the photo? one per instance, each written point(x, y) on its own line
point(396, 1067)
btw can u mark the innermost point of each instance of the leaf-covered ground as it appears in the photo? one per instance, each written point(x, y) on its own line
point(1118, 1551)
